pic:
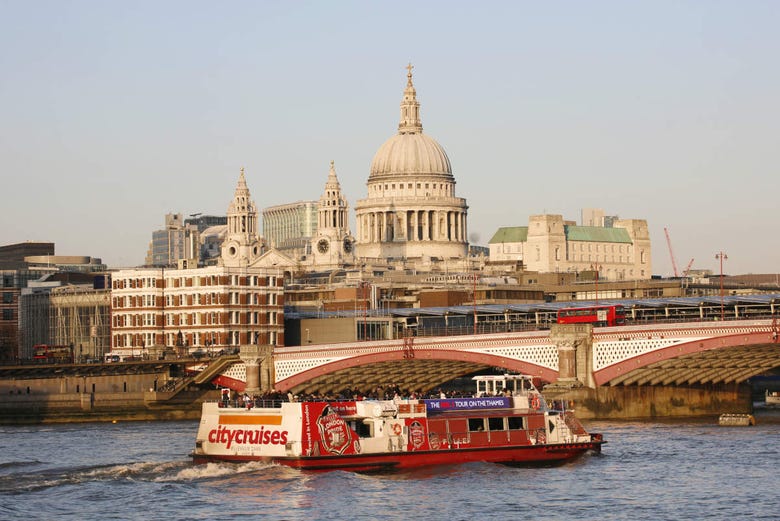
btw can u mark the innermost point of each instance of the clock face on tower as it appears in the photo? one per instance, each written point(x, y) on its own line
point(323, 245)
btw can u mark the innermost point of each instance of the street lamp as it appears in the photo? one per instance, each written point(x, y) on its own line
point(475, 302)
point(722, 256)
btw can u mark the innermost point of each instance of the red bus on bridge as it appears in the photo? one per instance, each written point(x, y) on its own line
point(596, 315)
point(48, 354)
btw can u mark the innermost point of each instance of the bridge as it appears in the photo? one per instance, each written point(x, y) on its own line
point(704, 364)
point(661, 354)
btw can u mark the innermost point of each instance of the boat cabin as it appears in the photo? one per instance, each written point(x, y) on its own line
point(496, 385)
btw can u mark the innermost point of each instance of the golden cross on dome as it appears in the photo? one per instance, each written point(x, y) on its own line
point(409, 68)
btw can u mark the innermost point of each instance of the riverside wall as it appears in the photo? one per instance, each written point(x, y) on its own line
point(132, 397)
point(656, 402)
point(72, 398)
point(88, 407)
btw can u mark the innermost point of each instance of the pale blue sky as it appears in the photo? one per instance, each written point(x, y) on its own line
point(113, 114)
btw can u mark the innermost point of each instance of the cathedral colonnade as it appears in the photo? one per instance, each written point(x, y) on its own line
point(413, 225)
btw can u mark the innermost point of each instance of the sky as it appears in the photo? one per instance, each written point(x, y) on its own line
point(113, 114)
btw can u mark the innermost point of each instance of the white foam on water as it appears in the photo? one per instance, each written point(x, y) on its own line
point(216, 470)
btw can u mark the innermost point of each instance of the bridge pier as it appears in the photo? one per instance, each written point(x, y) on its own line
point(259, 367)
point(575, 356)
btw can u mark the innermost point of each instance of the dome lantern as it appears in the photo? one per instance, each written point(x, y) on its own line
point(410, 108)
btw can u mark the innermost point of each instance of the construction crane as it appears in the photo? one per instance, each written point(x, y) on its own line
point(687, 268)
point(671, 253)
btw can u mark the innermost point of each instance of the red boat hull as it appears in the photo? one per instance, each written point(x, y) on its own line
point(526, 455)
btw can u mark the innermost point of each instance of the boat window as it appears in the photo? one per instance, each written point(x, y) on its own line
point(496, 424)
point(361, 429)
point(515, 423)
point(476, 424)
point(552, 426)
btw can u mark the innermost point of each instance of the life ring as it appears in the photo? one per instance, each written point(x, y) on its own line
point(397, 429)
point(534, 402)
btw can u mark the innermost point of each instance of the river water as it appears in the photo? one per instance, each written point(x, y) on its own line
point(140, 470)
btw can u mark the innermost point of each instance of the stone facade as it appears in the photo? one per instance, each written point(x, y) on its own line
point(551, 245)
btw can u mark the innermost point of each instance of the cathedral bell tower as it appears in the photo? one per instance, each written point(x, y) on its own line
point(333, 245)
point(242, 245)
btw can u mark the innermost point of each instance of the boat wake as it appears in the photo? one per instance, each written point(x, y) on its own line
point(214, 470)
point(24, 477)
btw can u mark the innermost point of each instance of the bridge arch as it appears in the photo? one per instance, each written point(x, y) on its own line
point(418, 369)
point(717, 359)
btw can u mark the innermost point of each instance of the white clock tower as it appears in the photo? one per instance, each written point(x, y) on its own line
point(333, 245)
point(242, 245)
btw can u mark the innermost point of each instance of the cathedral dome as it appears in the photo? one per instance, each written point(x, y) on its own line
point(411, 211)
point(410, 152)
point(413, 153)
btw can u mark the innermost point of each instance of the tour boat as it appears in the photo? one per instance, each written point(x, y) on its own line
point(772, 398)
point(507, 421)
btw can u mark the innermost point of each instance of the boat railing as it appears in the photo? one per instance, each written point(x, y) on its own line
point(241, 404)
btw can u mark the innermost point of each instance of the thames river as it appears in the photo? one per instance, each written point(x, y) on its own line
point(141, 470)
